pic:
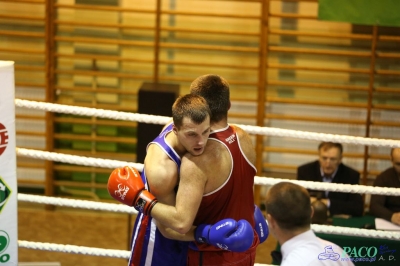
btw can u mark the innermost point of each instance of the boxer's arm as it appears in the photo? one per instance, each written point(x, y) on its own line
point(126, 186)
point(162, 179)
point(172, 234)
point(190, 192)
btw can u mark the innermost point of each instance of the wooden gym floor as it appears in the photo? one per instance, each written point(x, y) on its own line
point(84, 228)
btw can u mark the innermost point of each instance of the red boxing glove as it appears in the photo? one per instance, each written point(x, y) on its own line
point(126, 186)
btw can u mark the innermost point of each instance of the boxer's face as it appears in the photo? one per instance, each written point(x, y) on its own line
point(193, 136)
point(329, 160)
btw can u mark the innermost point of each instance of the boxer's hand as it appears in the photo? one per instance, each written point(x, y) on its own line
point(126, 186)
point(260, 224)
point(226, 234)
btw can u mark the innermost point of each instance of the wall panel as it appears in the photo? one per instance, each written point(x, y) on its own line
point(286, 69)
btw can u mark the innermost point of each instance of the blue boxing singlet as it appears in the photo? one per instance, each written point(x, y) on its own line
point(149, 246)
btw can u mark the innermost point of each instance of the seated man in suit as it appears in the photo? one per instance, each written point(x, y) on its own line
point(329, 168)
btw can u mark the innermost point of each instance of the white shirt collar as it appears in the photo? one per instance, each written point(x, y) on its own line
point(292, 243)
point(333, 175)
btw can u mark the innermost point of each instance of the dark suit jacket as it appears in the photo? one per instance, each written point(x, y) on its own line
point(384, 206)
point(340, 203)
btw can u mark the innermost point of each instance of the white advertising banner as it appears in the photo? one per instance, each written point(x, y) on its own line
point(8, 168)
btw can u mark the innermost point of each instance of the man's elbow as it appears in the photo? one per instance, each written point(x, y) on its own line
point(183, 224)
point(183, 227)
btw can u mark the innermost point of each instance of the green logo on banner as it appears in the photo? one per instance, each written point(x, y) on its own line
point(4, 193)
point(4, 241)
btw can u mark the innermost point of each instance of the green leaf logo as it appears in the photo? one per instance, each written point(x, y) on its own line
point(4, 241)
point(4, 194)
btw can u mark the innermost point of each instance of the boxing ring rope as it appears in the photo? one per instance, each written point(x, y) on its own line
point(106, 163)
point(74, 159)
point(82, 250)
point(122, 254)
point(112, 207)
point(153, 119)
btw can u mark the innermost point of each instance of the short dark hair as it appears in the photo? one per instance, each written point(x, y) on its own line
point(289, 204)
point(193, 106)
point(328, 145)
point(215, 89)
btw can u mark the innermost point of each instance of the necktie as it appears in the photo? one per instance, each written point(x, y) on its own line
point(276, 256)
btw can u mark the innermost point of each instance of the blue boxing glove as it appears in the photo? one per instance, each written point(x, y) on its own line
point(226, 234)
point(260, 224)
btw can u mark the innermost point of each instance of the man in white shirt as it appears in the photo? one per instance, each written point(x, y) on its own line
point(289, 213)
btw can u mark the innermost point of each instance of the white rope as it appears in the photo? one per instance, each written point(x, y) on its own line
point(350, 231)
point(111, 207)
point(81, 160)
point(270, 131)
point(75, 159)
point(324, 186)
point(75, 249)
point(82, 250)
point(152, 119)
point(83, 204)
point(86, 111)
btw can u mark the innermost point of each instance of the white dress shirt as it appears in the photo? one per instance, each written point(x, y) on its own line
point(308, 249)
point(327, 179)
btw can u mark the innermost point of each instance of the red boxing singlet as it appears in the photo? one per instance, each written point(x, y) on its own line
point(234, 199)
